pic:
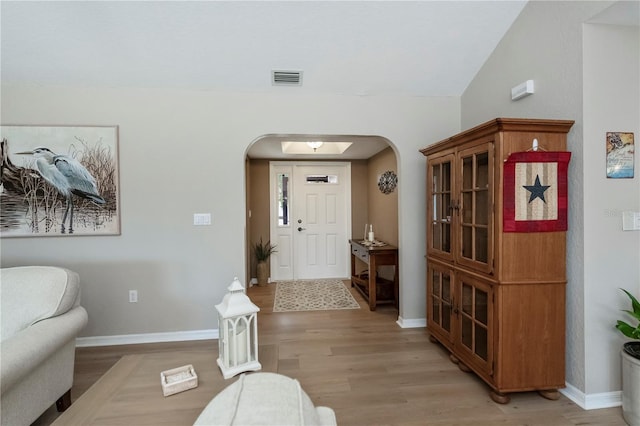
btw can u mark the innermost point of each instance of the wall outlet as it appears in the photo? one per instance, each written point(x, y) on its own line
point(133, 296)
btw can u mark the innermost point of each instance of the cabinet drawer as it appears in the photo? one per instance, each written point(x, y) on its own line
point(360, 253)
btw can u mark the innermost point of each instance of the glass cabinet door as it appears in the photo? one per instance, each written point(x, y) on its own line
point(440, 207)
point(440, 300)
point(476, 207)
point(476, 311)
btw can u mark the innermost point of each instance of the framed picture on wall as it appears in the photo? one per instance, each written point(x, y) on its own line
point(59, 181)
point(620, 152)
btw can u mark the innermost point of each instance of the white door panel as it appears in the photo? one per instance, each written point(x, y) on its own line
point(323, 221)
point(313, 240)
point(280, 219)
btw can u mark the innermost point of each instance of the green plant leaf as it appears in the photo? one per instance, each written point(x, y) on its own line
point(634, 303)
point(636, 315)
point(625, 328)
point(262, 251)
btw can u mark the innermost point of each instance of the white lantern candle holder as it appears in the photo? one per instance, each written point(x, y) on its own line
point(238, 332)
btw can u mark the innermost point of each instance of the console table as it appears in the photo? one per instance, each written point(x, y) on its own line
point(376, 290)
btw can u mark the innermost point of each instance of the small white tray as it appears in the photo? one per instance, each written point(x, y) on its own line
point(178, 379)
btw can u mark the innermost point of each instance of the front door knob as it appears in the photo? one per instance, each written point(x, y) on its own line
point(300, 229)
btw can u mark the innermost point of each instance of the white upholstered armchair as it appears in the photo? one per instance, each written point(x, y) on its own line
point(40, 318)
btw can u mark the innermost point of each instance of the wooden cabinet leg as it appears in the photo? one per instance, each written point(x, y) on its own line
point(433, 339)
point(499, 397)
point(64, 401)
point(462, 366)
point(551, 394)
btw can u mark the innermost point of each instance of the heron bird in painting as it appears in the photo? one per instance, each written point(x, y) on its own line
point(68, 177)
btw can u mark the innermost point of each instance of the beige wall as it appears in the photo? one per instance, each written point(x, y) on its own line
point(184, 152)
point(611, 255)
point(383, 208)
point(359, 197)
point(259, 202)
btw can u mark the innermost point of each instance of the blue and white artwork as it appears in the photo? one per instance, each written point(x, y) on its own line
point(620, 155)
point(59, 181)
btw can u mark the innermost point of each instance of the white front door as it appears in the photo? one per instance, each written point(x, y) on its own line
point(320, 220)
point(313, 239)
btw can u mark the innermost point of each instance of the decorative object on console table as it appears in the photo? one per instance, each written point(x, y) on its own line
point(374, 289)
point(631, 364)
point(483, 292)
point(238, 332)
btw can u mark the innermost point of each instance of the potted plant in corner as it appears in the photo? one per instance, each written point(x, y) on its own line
point(631, 364)
point(262, 252)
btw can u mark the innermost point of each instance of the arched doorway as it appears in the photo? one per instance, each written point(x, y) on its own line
point(369, 157)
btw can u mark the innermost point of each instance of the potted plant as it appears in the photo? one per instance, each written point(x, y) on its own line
point(631, 364)
point(262, 252)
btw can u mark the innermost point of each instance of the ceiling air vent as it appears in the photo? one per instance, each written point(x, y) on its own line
point(286, 78)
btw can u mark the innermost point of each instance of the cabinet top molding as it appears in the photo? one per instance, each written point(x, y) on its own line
point(502, 124)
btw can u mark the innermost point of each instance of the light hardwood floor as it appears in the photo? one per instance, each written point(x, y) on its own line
point(368, 369)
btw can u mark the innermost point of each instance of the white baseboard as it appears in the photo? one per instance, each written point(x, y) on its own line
point(411, 323)
point(131, 339)
point(592, 401)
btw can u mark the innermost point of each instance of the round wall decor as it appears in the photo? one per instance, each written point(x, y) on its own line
point(387, 182)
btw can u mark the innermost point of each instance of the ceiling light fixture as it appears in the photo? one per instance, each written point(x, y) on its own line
point(314, 145)
point(311, 147)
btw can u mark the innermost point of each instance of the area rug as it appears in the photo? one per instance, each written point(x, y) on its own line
point(312, 295)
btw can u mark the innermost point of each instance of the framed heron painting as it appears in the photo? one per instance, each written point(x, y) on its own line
point(59, 181)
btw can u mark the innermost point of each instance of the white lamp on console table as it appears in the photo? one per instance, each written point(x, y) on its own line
point(238, 332)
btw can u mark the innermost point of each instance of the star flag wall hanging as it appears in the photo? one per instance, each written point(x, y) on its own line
point(535, 191)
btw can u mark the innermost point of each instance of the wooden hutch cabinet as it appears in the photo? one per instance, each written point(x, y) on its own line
point(495, 299)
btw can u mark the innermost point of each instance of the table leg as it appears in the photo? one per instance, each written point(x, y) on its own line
point(372, 283)
point(353, 267)
point(396, 282)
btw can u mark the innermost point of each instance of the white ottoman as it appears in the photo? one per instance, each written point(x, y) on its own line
point(264, 399)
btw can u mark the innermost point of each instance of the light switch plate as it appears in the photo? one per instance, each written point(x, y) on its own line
point(631, 221)
point(200, 219)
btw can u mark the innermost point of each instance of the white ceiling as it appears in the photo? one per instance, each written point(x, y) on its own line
point(620, 13)
point(422, 48)
point(410, 48)
point(419, 48)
